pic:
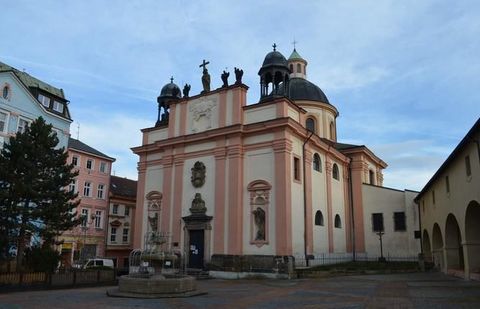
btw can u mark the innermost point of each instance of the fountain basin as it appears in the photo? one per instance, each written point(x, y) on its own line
point(155, 286)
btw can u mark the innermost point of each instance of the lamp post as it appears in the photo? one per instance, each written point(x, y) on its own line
point(381, 258)
point(85, 224)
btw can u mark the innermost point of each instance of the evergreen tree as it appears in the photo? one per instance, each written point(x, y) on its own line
point(34, 195)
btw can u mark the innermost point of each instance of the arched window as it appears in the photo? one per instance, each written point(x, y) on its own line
point(317, 162)
point(338, 222)
point(335, 173)
point(310, 124)
point(319, 218)
point(291, 68)
point(332, 131)
point(299, 68)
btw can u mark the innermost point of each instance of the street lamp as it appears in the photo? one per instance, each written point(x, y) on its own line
point(85, 224)
point(381, 258)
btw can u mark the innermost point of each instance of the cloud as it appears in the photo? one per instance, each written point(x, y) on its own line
point(114, 136)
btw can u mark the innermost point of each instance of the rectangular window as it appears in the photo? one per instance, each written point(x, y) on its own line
point(377, 222)
point(3, 122)
point(447, 184)
point(98, 219)
point(103, 167)
point(57, 106)
point(75, 161)
point(22, 125)
point(127, 211)
point(86, 189)
point(113, 234)
point(44, 100)
point(100, 190)
point(468, 168)
point(73, 186)
point(125, 235)
point(84, 217)
point(399, 221)
point(296, 168)
point(115, 209)
point(90, 164)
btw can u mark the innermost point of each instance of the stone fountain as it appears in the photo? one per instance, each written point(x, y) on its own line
point(155, 271)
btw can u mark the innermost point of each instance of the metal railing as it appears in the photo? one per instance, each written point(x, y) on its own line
point(336, 258)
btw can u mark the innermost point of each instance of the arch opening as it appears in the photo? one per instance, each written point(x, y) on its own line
point(453, 244)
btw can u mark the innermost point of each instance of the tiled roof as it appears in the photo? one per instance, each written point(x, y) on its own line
point(123, 186)
point(30, 81)
point(342, 146)
point(78, 145)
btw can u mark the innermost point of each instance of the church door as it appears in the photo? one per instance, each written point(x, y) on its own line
point(195, 259)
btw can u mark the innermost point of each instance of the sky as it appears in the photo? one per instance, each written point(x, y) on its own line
point(404, 75)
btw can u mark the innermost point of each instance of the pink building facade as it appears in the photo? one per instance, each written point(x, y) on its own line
point(92, 184)
point(225, 178)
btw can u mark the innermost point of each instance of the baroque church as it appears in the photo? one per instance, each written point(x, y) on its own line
point(225, 179)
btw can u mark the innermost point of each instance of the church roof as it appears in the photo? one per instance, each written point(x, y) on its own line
point(30, 81)
point(274, 58)
point(302, 89)
point(343, 146)
point(170, 90)
point(295, 56)
point(78, 145)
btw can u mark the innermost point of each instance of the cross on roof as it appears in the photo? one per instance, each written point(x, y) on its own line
point(204, 64)
point(294, 43)
point(171, 79)
point(274, 47)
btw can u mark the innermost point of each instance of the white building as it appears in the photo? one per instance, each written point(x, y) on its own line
point(24, 98)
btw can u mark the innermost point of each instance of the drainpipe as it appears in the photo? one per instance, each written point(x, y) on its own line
point(350, 187)
point(420, 226)
point(305, 199)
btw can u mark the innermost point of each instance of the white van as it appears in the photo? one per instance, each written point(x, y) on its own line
point(97, 262)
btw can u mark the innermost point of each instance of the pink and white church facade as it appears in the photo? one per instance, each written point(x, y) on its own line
point(229, 178)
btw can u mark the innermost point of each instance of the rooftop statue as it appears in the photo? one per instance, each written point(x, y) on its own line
point(225, 76)
point(205, 77)
point(186, 90)
point(238, 76)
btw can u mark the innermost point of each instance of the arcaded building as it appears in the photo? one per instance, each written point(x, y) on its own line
point(450, 210)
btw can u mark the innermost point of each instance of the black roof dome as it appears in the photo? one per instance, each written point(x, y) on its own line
point(302, 89)
point(274, 58)
point(170, 91)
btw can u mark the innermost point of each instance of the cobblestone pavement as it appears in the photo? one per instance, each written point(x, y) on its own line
point(419, 290)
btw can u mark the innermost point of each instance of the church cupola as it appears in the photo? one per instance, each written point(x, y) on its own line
point(170, 92)
point(274, 75)
point(297, 65)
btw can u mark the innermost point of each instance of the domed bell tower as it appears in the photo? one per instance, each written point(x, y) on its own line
point(169, 93)
point(274, 73)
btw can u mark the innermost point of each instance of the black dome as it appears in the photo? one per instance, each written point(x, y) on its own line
point(171, 91)
point(274, 58)
point(302, 89)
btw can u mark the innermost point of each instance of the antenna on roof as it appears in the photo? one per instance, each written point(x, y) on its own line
point(78, 131)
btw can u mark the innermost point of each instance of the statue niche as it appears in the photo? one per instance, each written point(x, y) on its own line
point(259, 215)
point(198, 174)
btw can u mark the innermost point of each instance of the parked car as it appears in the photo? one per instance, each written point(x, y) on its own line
point(98, 262)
